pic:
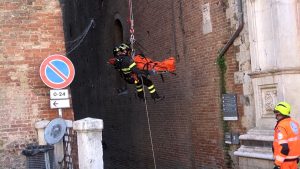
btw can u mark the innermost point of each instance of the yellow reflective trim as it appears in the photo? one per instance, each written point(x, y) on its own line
point(291, 157)
point(282, 141)
point(132, 65)
point(125, 69)
point(139, 86)
point(152, 91)
point(126, 72)
point(279, 158)
point(293, 139)
point(139, 90)
point(151, 87)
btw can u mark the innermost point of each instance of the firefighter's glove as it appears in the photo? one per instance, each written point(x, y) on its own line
point(276, 167)
point(112, 61)
point(140, 95)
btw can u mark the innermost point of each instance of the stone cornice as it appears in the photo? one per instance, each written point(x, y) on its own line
point(274, 72)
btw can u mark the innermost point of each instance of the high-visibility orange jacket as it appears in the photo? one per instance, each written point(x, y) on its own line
point(286, 145)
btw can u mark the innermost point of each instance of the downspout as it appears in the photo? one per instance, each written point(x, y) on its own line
point(237, 32)
point(221, 59)
point(222, 68)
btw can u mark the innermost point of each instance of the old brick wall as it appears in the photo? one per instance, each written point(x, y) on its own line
point(30, 30)
point(193, 104)
point(187, 127)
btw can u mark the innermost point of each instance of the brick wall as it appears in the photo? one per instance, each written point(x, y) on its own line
point(30, 31)
point(187, 127)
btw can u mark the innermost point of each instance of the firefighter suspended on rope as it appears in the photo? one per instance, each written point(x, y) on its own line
point(136, 70)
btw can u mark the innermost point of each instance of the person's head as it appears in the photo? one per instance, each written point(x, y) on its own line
point(122, 49)
point(281, 110)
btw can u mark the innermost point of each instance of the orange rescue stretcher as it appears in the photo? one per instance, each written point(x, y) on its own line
point(149, 66)
point(146, 64)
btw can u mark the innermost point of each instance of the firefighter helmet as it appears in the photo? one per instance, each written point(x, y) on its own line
point(124, 47)
point(283, 108)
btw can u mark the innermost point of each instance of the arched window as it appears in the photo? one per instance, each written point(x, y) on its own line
point(118, 32)
point(118, 38)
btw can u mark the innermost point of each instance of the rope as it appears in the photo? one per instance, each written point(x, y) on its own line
point(80, 38)
point(149, 126)
point(131, 21)
point(141, 47)
point(132, 40)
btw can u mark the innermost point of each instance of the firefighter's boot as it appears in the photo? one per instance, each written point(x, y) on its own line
point(156, 97)
point(140, 95)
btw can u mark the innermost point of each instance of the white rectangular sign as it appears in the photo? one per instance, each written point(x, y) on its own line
point(57, 104)
point(59, 94)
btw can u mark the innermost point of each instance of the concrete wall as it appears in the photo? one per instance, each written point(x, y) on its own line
point(30, 31)
point(187, 127)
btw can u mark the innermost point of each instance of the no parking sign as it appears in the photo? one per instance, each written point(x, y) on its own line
point(57, 71)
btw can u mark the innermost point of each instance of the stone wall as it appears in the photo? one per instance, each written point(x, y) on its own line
point(270, 57)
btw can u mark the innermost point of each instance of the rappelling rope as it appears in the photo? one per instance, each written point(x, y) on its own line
point(131, 21)
point(132, 40)
point(149, 126)
point(77, 41)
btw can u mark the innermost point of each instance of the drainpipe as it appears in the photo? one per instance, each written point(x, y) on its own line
point(223, 66)
point(220, 58)
point(237, 32)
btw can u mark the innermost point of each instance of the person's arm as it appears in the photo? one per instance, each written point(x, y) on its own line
point(114, 62)
point(283, 149)
point(131, 66)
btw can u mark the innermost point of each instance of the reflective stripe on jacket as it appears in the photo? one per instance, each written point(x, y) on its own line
point(127, 66)
point(286, 143)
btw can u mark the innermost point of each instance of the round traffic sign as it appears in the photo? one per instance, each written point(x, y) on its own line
point(57, 71)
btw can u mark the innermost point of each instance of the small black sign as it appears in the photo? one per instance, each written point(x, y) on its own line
point(231, 138)
point(228, 138)
point(229, 106)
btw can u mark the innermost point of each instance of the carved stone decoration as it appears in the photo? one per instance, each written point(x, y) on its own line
point(207, 23)
point(269, 99)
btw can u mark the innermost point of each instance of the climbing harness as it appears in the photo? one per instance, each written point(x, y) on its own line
point(132, 40)
point(151, 67)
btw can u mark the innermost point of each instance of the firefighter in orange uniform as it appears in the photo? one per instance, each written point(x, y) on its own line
point(286, 145)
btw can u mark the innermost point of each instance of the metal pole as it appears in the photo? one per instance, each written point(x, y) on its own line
point(60, 112)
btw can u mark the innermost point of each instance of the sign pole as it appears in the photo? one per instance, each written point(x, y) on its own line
point(60, 112)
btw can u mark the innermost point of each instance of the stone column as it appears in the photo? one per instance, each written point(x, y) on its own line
point(89, 140)
point(40, 126)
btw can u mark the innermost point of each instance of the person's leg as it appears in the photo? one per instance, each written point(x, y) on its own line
point(147, 82)
point(139, 89)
